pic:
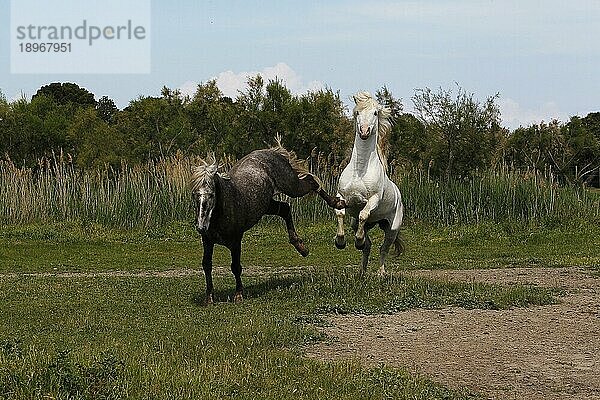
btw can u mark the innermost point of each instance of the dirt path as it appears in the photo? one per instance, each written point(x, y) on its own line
point(171, 273)
point(550, 352)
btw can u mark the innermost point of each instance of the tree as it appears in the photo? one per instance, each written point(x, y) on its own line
point(106, 109)
point(384, 96)
point(4, 114)
point(155, 127)
point(591, 122)
point(538, 147)
point(571, 151)
point(213, 120)
point(583, 149)
point(409, 144)
point(250, 103)
point(34, 129)
point(65, 93)
point(98, 144)
point(316, 120)
point(466, 133)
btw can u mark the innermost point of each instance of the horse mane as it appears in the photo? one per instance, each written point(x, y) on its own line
point(364, 101)
point(298, 166)
point(204, 172)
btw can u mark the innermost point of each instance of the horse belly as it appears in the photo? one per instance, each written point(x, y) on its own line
point(389, 206)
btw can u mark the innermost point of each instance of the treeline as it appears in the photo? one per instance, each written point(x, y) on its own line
point(451, 134)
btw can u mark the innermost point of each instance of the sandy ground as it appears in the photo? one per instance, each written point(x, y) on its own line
point(550, 352)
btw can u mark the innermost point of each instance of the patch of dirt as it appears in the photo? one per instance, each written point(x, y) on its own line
point(174, 273)
point(550, 352)
point(171, 273)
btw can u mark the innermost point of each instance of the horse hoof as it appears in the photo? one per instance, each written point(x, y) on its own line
point(341, 204)
point(359, 243)
point(237, 298)
point(340, 242)
point(209, 300)
point(300, 247)
point(304, 252)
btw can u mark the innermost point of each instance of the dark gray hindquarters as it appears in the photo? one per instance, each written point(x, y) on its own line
point(277, 170)
point(287, 180)
point(268, 171)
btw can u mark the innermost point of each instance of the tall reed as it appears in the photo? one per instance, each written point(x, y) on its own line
point(157, 193)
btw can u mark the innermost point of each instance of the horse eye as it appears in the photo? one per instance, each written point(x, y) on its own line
point(375, 113)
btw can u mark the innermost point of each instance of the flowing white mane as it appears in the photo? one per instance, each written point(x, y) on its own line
point(365, 101)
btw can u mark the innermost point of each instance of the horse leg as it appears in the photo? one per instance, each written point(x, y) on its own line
point(236, 268)
point(208, 247)
point(337, 202)
point(366, 251)
point(283, 210)
point(389, 238)
point(340, 240)
point(359, 237)
point(309, 184)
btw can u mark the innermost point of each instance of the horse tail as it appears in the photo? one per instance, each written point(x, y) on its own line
point(399, 246)
point(298, 166)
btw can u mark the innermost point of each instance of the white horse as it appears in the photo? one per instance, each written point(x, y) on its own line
point(371, 197)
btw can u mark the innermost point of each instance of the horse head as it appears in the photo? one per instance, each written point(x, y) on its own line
point(368, 115)
point(204, 191)
point(372, 119)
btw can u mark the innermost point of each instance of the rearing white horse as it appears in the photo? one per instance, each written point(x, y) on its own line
point(371, 197)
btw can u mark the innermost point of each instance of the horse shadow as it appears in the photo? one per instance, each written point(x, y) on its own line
point(253, 290)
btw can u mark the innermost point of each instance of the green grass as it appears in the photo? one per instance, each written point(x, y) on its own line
point(149, 337)
point(72, 247)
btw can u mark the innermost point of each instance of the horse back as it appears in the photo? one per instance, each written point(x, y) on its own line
point(268, 170)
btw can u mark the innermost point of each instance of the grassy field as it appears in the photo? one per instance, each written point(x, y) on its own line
point(146, 336)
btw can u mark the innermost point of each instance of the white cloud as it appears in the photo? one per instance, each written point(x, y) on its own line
point(188, 88)
point(231, 83)
point(514, 115)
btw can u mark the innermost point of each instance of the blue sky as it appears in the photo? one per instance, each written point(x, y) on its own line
point(543, 57)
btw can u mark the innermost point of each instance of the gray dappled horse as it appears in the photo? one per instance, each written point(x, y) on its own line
point(229, 204)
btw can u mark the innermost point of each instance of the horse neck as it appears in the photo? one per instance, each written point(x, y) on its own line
point(220, 195)
point(362, 152)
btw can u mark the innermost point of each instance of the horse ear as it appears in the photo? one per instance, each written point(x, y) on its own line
point(211, 160)
point(355, 99)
